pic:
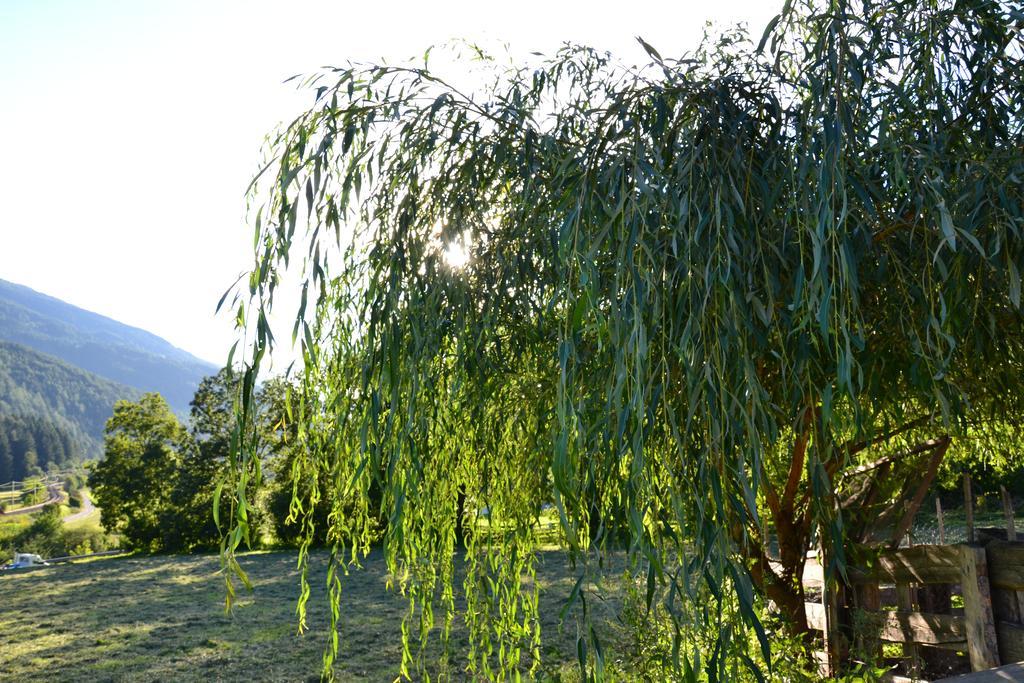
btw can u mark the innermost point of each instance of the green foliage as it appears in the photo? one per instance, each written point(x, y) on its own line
point(157, 481)
point(35, 491)
point(188, 518)
point(295, 502)
point(133, 483)
point(992, 456)
point(43, 536)
point(10, 528)
point(74, 481)
point(189, 521)
point(7, 466)
point(85, 540)
point(680, 276)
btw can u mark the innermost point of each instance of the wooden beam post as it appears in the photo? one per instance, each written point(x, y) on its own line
point(831, 597)
point(1011, 532)
point(938, 448)
point(982, 645)
point(905, 602)
point(942, 524)
point(868, 600)
point(969, 507)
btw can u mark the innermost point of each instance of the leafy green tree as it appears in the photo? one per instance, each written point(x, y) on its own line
point(143, 450)
point(753, 294)
point(189, 519)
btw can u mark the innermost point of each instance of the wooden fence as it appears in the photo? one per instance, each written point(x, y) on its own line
point(929, 598)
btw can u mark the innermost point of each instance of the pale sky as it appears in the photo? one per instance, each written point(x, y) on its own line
point(129, 129)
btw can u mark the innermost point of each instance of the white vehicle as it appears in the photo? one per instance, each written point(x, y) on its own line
point(22, 560)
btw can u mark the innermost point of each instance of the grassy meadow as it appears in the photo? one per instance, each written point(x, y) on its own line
point(11, 525)
point(147, 618)
point(162, 618)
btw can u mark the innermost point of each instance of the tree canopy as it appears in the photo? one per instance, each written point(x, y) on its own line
point(669, 299)
point(158, 478)
point(134, 480)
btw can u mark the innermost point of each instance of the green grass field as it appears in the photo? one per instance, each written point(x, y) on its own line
point(11, 525)
point(162, 618)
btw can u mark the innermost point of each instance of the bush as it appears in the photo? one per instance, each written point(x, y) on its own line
point(44, 536)
point(84, 541)
point(74, 480)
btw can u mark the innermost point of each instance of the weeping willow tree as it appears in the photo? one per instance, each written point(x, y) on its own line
point(696, 305)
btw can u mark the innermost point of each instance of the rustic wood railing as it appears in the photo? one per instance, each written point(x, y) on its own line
point(918, 612)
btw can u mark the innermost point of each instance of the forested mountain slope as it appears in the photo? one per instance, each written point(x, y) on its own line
point(75, 401)
point(31, 444)
point(120, 353)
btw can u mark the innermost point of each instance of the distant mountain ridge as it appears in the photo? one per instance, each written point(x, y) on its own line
point(102, 346)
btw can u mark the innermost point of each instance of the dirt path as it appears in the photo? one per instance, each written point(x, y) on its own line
point(87, 509)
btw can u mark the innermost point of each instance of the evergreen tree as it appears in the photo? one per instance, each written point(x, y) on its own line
point(71, 453)
point(48, 445)
point(25, 458)
point(6, 457)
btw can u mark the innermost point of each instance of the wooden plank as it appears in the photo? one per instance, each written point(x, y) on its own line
point(868, 596)
point(815, 612)
point(942, 523)
point(1006, 606)
point(907, 626)
point(1010, 672)
point(904, 601)
point(821, 659)
point(1006, 565)
point(939, 448)
point(982, 646)
point(924, 564)
point(969, 507)
point(1011, 642)
point(832, 596)
point(896, 678)
point(814, 573)
point(867, 599)
point(935, 599)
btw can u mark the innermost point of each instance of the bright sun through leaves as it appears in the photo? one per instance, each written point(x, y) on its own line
point(456, 254)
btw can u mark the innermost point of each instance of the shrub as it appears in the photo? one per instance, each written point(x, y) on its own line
point(84, 541)
point(44, 536)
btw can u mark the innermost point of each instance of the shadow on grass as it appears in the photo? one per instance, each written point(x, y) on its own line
point(162, 618)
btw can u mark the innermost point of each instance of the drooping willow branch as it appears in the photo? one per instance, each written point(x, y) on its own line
point(674, 274)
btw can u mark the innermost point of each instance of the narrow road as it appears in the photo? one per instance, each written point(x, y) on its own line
point(87, 509)
point(55, 493)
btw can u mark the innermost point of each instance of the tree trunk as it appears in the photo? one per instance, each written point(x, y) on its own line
point(460, 514)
